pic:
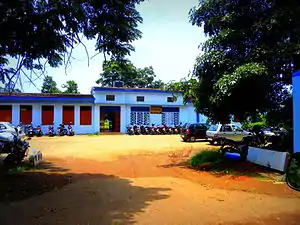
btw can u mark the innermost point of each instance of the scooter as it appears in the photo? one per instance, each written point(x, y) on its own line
point(38, 131)
point(30, 130)
point(51, 131)
point(61, 130)
point(70, 130)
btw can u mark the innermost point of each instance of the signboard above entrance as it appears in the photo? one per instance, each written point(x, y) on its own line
point(156, 109)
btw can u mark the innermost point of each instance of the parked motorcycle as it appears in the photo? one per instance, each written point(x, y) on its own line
point(61, 130)
point(15, 147)
point(168, 129)
point(130, 130)
point(51, 131)
point(70, 130)
point(144, 130)
point(162, 129)
point(38, 131)
point(137, 130)
point(175, 130)
point(152, 129)
point(30, 130)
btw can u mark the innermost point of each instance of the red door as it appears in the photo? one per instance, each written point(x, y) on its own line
point(6, 113)
point(68, 114)
point(26, 114)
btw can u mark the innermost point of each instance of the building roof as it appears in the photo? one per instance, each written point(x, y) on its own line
point(127, 89)
point(6, 97)
point(45, 95)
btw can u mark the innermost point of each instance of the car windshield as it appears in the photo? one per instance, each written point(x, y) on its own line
point(213, 128)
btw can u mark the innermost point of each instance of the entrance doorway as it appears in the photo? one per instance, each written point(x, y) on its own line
point(110, 118)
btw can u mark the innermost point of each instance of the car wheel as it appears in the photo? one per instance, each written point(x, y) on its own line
point(192, 139)
point(211, 142)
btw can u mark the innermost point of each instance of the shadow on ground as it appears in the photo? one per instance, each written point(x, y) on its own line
point(232, 168)
point(55, 196)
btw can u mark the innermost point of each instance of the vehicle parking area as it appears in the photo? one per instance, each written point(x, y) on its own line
point(122, 179)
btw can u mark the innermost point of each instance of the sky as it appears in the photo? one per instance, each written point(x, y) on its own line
point(169, 44)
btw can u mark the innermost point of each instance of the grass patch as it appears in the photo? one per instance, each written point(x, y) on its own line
point(216, 163)
point(205, 157)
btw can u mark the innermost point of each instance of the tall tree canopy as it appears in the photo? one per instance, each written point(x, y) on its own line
point(49, 86)
point(131, 76)
point(71, 87)
point(36, 32)
point(252, 50)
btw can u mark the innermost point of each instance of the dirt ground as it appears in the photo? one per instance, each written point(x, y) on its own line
point(136, 180)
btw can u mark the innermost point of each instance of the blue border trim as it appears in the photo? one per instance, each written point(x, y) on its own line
point(140, 109)
point(103, 89)
point(296, 74)
point(38, 99)
point(170, 109)
point(109, 109)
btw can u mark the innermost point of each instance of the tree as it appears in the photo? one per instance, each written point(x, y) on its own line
point(37, 33)
point(70, 87)
point(131, 76)
point(252, 50)
point(49, 86)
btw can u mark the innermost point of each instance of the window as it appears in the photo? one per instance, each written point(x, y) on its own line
point(170, 118)
point(2, 127)
point(85, 115)
point(236, 129)
point(5, 113)
point(47, 114)
point(140, 98)
point(140, 116)
point(110, 97)
point(226, 128)
point(68, 114)
point(201, 126)
point(26, 114)
point(170, 99)
point(213, 128)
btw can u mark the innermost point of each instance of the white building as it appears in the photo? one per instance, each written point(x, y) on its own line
point(122, 106)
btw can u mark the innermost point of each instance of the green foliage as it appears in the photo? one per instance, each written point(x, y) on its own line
point(260, 125)
point(252, 50)
point(49, 86)
point(294, 173)
point(71, 87)
point(206, 156)
point(34, 31)
point(132, 77)
point(185, 87)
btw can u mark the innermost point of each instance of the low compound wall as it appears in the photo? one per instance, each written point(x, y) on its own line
point(268, 158)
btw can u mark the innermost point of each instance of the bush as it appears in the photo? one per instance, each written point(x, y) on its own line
point(205, 157)
point(260, 125)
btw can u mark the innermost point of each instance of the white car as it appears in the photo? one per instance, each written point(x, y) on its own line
point(8, 127)
point(217, 132)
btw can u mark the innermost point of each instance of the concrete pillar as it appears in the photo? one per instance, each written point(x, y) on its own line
point(96, 118)
point(58, 114)
point(36, 114)
point(123, 119)
point(15, 114)
point(296, 110)
point(76, 126)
